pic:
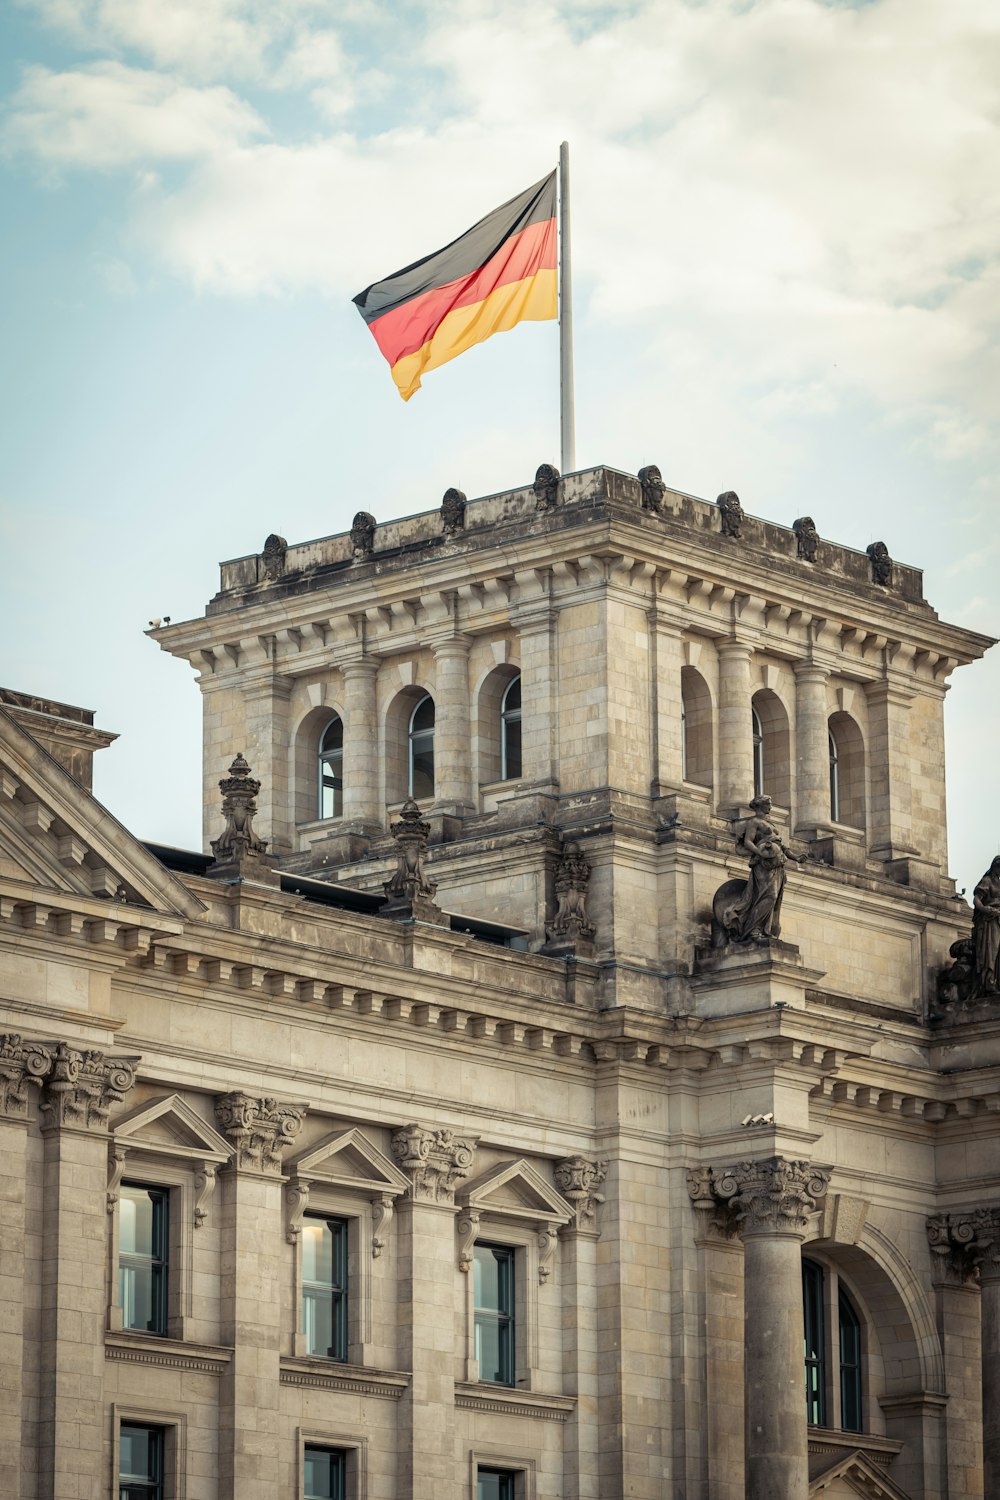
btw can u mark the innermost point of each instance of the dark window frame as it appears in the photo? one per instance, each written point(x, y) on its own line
point(330, 772)
point(336, 1292)
point(156, 1264)
point(501, 1319)
point(832, 1367)
point(511, 758)
point(133, 1486)
point(337, 1488)
point(419, 755)
point(505, 1489)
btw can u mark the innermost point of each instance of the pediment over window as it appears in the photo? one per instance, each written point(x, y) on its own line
point(170, 1127)
point(516, 1190)
point(347, 1158)
point(844, 1476)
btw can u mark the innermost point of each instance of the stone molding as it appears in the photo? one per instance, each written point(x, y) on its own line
point(321, 1374)
point(578, 1179)
point(492, 1398)
point(436, 1161)
point(22, 1062)
point(168, 1354)
point(259, 1128)
point(82, 1086)
point(965, 1247)
point(773, 1196)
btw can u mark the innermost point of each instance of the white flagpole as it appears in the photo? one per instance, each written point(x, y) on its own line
point(567, 421)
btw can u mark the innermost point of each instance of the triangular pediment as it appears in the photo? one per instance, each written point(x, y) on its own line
point(170, 1127)
point(56, 837)
point(347, 1158)
point(848, 1475)
point(516, 1190)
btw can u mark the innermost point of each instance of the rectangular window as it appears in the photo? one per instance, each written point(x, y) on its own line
point(493, 1275)
point(494, 1484)
point(140, 1463)
point(142, 1257)
point(324, 1474)
point(815, 1350)
point(324, 1286)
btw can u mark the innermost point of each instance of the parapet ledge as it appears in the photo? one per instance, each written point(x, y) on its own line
point(741, 977)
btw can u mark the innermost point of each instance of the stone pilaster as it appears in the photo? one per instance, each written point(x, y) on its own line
point(254, 1268)
point(965, 1267)
point(735, 728)
point(989, 1284)
point(538, 711)
point(812, 750)
point(361, 757)
point(665, 665)
point(769, 1203)
point(266, 700)
point(78, 1094)
point(23, 1066)
point(889, 759)
point(453, 789)
point(580, 1179)
point(721, 1293)
point(436, 1161)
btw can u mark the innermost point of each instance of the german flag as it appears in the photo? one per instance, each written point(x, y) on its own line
point(499, 273)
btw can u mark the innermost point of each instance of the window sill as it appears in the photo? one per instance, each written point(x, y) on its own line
point(151, 1349)
point(328, 1374)
point(485, 1396)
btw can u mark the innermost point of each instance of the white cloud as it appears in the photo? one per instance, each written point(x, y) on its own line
point(110, 116)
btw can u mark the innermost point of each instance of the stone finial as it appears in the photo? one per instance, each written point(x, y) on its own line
point(453, 504)
point(21, 1063)
point(572, 878)
point(761, 1197)
point(881, 563)
point(730, 513)
point(807, 538)
point(436, 1161)
point(82, 1086)
point(579, 1179)
point(652, 487)
point(258, 1128)
point(546, 486)
point(363, 535)
point(273, 556)
point(410, 878)
point(239, 791)
point(964, 1246)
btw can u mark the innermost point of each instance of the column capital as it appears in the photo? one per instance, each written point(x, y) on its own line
point(579, 1179)
point(732, 647)
point(773, 1196)
point(360, 666)
point(457, 645)
point(81, 1087)
point(810, 671)
point(259, 1128)
point(22, 1062)
point(965, 1245)
point(436, 1161)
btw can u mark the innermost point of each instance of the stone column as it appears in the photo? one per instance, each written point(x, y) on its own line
point(435, 1161)
point(963, 1245)
point(538, 696)
point(735, 728)
point(889, 769)
point(812, 750)
point(770, 1202)
point(453, 790)
point(361, 746)
point(77, 1097)
point(268, 749)
point(254, 1268)
point(579, 1179)
point(721, 1293)
point(22, 1065)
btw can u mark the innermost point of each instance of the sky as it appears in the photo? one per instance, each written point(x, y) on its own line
point(786, 256)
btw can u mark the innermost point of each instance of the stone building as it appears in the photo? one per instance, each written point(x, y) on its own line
point(512, 1102)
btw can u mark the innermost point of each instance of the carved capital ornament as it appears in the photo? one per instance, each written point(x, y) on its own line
point(23, 1066)
point(774, 1196)
point(259, 1128)
point(436, 1161)
point(82, 1087)
point(579, 1179)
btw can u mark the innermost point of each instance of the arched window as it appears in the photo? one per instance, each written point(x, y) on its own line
point(421, 749)
point(330, 800)
point(758, 753)
point(847, 771)
point(833, 1373)
point(834, 780)
point(696, 728)
point(510, 732)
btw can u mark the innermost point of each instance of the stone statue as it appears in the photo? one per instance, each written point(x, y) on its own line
point(653, 488)
point(807, 538)
point(239, 790)
point(453, 512)
point(955, 983)
point(545, 486)
point(410, 879)
point(730, 513)
point(572, 879)
point(363, 535)
point(273, 556)
point(878, 555)
point(753, 914)
point(986, 932)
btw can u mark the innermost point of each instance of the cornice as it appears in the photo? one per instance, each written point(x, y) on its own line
point(168, 1354)
point(500, 1399)
point(355, 1380)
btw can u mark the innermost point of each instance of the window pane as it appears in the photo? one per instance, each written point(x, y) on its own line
point(512, 749)
point(140, 1463)
point(324, 1474)
point(324, 1287)
point(423, 716)
point(493, 1291)
point(850, 1367)
point(142, 1262)
point(494, 1484)
point(812, 1314)
point(422, 764)
point(135, 1235)
point(333, 736)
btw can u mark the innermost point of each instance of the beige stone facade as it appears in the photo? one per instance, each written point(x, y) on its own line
point(682, 1157)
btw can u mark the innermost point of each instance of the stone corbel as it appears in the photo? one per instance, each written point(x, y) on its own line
point(204, 1188)
point(468, 1229)
point(382, 1212)
point(296, 1202)
point(579, 1179)
point(116, 1171)
point(548, 1238)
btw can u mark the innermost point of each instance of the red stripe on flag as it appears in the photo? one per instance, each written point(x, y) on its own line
point(408, 328)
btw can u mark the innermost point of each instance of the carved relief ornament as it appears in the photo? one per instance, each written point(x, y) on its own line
point(774, 1196)
point(436, 1161)
point(259, 1128)
point(82, 1087)
point(22, 1063)
point(579, 1179)
point(965, 1246)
